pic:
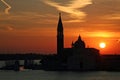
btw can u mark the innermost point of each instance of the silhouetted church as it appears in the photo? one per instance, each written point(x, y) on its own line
point(78, 57)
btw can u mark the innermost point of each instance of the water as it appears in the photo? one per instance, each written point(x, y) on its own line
point(54, 75)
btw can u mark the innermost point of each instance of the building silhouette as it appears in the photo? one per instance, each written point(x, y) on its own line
point(78, 57)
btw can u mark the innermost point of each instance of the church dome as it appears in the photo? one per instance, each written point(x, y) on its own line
point(79, 43)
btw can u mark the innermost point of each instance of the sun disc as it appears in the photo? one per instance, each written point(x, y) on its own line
point(102, 45)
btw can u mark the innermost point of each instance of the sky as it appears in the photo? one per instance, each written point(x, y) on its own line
point(30, 25)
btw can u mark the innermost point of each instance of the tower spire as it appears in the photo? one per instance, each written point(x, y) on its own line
point(59, 15)
point(60, 25)
point(60, 36)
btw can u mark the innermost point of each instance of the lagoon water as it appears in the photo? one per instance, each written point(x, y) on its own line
point(55, 75)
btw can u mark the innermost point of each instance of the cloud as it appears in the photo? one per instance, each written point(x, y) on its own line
point(33, 18)
point(26, 20)
point(112, 17)
point(103, 9)
point(102, 15)
point(72, 8)
point(8, 7)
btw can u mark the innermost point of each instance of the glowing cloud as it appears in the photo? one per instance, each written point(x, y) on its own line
point(72, 8)
point(112, 17)
point(8, 7)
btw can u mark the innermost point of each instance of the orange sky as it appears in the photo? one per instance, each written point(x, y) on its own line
point(32, 26)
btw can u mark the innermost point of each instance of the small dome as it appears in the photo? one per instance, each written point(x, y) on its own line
point(79, 43)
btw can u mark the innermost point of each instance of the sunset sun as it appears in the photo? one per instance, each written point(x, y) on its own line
point(102, 45)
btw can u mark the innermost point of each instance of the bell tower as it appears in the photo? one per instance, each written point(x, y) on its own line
point(60, 36)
